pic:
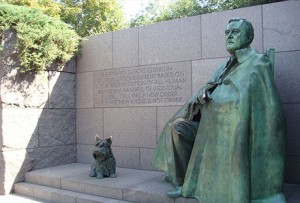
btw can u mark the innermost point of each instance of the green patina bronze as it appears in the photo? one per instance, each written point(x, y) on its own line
point(227, 143)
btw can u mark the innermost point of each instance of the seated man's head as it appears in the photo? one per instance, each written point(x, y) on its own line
point(239, 34)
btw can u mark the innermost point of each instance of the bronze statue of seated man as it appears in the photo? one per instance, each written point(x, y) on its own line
point(227, 142)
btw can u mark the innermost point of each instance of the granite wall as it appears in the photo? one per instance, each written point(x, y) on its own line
point(37, 117)
point(130, 82)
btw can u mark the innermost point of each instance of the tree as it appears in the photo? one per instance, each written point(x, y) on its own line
point(184, 8)
point(48, 7)
point(87, 17)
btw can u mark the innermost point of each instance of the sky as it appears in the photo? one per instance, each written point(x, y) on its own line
point(131, 7)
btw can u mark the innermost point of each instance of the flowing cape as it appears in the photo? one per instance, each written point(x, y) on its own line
point(239, 149)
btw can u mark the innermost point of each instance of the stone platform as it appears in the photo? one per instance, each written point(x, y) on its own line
point(71, 184)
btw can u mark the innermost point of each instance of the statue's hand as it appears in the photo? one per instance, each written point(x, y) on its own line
point(202, 96)
point(191, 103)
point(194, 100)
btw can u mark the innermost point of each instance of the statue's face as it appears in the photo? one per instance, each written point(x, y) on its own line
point(235, 35)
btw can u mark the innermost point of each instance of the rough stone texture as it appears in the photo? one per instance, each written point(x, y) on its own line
point(89, 122)
point(57, 127)
point(35, 134)
point(69, 67)
point(23, 90)
point(10, 56)
point(62, 90)
point(287, 74)
point(53, 156)
point(18, 131)
point(202, 71)
point(282, 31)
point(213, 26)
point(176, 40)
point(96, 53)
point(125, 48)
point(131, 127)
point(84, 90)
point(13, 165)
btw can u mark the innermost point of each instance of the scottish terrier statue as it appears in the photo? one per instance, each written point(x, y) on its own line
point(105, 162)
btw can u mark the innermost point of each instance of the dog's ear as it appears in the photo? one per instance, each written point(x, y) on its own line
point(97, 138)
point(109, 139)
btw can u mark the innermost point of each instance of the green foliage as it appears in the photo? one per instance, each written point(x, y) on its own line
point(92, 17)
point(183, 8)
point(41, 39)
point(87, 17)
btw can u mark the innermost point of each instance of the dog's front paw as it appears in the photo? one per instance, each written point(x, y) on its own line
point(113, 175)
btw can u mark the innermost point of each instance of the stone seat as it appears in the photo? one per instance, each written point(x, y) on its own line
point(71, 184)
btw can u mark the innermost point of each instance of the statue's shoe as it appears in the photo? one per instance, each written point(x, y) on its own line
point(175, 193)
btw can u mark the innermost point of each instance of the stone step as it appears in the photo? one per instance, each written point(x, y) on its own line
point(71, 183)
point(13, 198)
point(49, 194)
point(131, 185)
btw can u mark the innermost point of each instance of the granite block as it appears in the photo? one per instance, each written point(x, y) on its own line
point(57, 127)
point(164, 114)
point(127, 157)
point(24, 189)
point(151, 191)
point(203, 70)
point(83, 198)
point(108, 187)
point(84, 90)
point(96, 53)
point(171, 41)
point(131, 127)
point(51, 177)
point(69, 67)
point(292, 114)
point(52, 156)
point(54, 195)
point(287, 74)
point(10, 53)
point(288, 189)
point(282, 31)
point(42, 180)
point(19, 132)
point(89, 185)
point(125, 48)
point(146, 159)
point(153, 85)
point(292, 168)
point(13, 165)
point(213, 27)
point(85, 154)
point(23, 90)
point(89, 122)
point(62, 93)
point(295, 196)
